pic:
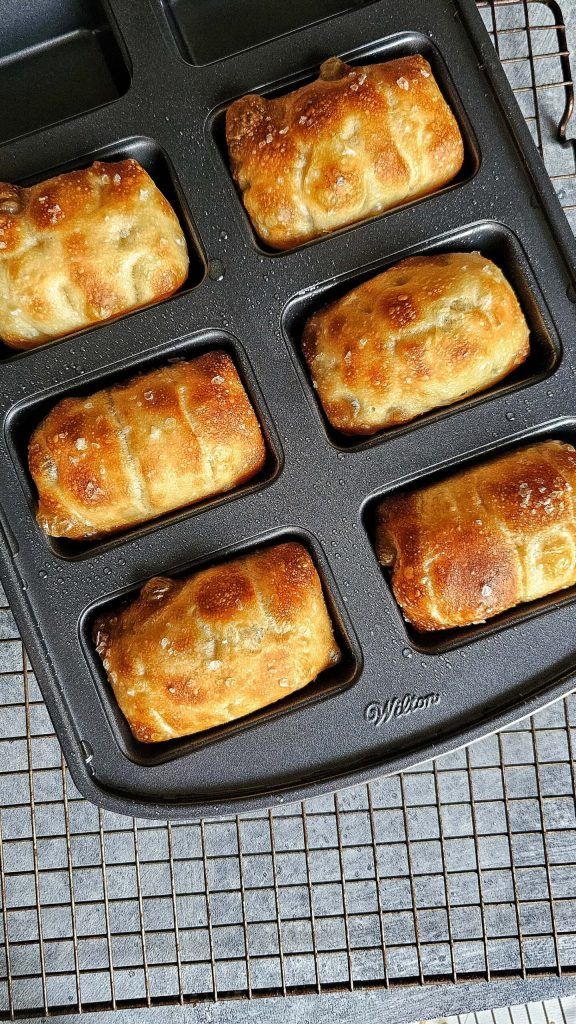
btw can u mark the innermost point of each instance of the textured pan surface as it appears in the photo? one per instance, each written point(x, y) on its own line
point(317, 491)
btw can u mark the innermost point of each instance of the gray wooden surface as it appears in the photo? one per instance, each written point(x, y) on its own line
point(469, 1006)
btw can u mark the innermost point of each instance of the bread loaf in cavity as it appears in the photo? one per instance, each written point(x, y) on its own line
point(357, 141)
point(191, 654)
point(131, 452)
point(83, 247)
point(425, 333)
point(483, 540)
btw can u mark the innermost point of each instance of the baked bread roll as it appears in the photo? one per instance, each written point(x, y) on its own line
point(188, 655)
point(483, 540)
point(424, 334)
point(129, 453)
point(83, 247)
point(348, 146)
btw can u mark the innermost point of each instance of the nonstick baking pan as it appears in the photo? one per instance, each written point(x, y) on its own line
point(156, 80)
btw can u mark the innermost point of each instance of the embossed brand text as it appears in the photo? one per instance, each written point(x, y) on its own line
point(378, 713)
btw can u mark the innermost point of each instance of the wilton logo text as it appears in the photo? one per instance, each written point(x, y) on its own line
point(377, 713)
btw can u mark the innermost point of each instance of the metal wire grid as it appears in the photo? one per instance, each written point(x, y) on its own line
point(551, 1011)
point(537, 62)
point(464, 868)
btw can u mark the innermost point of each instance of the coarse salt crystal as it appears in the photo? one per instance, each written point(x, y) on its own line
point(403, 83)
point(92, 490)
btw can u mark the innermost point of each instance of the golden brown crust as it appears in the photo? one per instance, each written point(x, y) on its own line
point(425, 333)
point(483, 540)
point(356, 142)
point(83, 247)
point(129, 453)
point(188, 655)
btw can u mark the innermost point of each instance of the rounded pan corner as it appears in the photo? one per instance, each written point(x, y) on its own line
point(121, 802)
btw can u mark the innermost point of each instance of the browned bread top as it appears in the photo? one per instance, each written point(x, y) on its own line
point(83, 247)
point(483, 540)
point(424, 333)
point(357, 141)
point(128, 453)
point(188, 655)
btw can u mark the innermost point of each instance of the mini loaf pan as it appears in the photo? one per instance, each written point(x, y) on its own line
point(155, 161)
point(28, 414)
point(158, 79)
point(402, 45)
point(332, 680)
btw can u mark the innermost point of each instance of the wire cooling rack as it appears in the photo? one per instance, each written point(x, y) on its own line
point(462, 869)
point(552, 1011)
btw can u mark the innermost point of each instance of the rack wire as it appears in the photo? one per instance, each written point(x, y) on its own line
point(550, 1011)
point(461, 869)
